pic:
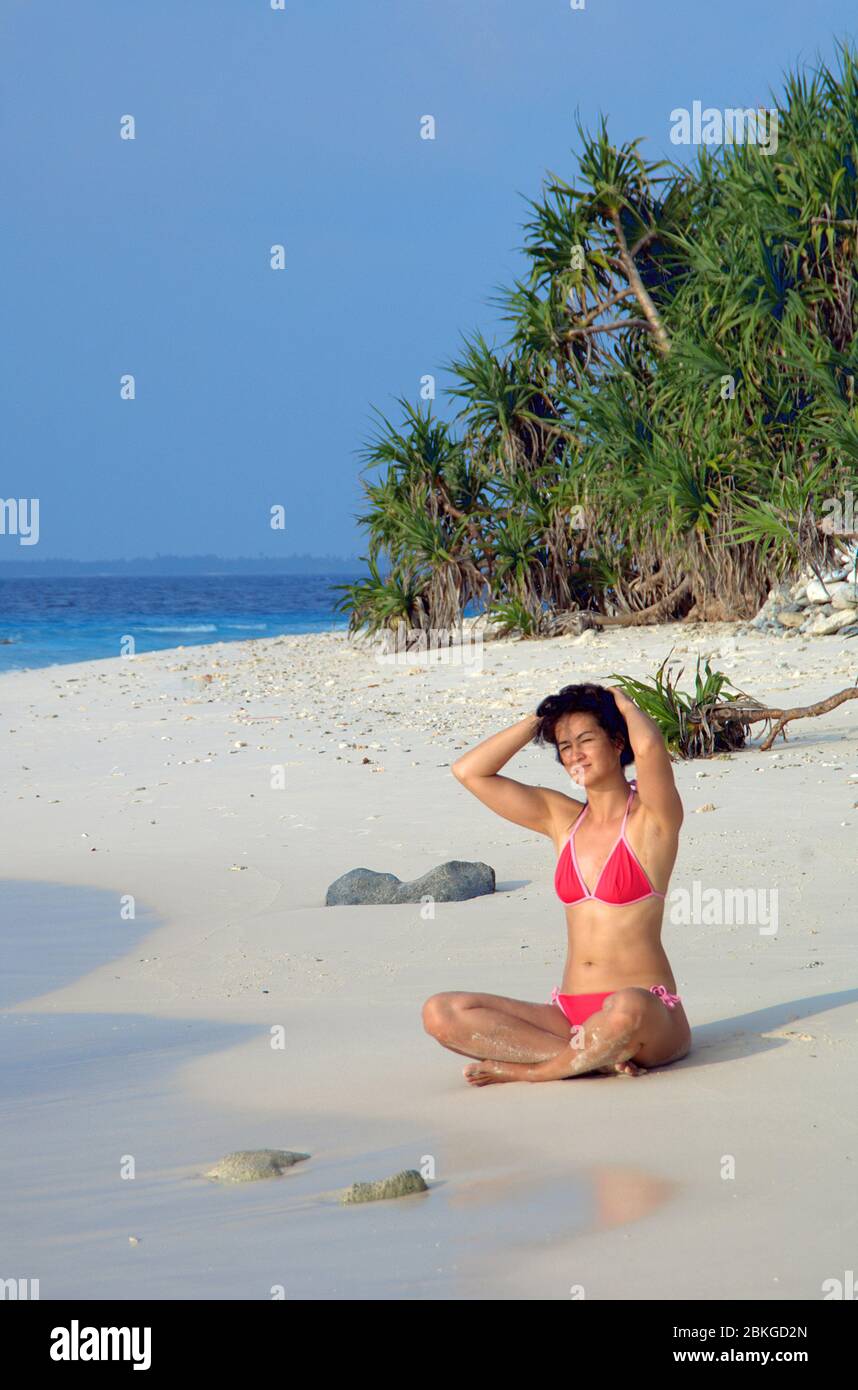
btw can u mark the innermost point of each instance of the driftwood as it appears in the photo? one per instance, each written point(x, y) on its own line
point(577, 620)
point(653, 614)
point(749, 712)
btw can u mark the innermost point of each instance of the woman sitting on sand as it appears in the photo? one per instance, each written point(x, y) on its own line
point(615, 853)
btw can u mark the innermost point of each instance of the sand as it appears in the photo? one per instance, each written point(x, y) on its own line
point(223, 788)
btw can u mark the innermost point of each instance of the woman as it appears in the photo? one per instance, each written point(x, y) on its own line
point(616, 1009)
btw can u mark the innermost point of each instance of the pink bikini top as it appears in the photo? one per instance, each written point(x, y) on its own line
point(622, 880)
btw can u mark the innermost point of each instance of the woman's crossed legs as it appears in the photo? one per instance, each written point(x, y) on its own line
point(520, 1041)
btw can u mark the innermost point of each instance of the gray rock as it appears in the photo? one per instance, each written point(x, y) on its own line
point(362, 886)
point(400, 1185)
point(818, 593)
point(452, 882)
point(763, 621)
point(252, 1165)
point(777, 597)
point(844, 596)
point(833, 622)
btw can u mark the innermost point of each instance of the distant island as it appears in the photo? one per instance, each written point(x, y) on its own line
point(161, 565)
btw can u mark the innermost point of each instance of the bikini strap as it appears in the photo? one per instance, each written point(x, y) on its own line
point(578, 819)
point(633, 789)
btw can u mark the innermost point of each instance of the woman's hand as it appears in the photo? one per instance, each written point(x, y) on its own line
point(654, 773)
point(623, 701)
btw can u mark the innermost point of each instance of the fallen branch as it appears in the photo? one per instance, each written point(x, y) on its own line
point(751, 713)
point(653, 614)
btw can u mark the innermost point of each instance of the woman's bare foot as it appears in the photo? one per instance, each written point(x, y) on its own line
point(488, 1072)
point(623, 1068)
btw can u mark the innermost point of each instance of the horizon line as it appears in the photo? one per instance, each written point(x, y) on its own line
point(174, 555)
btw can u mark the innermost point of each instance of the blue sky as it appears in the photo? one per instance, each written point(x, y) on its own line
point(297, 126)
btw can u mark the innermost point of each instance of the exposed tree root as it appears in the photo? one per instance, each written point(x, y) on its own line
point(655, 613)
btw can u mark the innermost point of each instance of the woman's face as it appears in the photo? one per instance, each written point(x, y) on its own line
point(586, 751)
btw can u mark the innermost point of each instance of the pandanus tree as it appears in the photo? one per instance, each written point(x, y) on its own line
point(675, 404)
point(423, 519)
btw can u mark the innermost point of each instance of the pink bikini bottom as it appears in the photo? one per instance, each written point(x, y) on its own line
point(579, 1007)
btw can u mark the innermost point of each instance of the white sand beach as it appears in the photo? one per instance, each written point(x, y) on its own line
point(152, 777)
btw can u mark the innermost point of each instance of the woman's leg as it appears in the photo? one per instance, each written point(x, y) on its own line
point(632, 1025)
point(493, 1026)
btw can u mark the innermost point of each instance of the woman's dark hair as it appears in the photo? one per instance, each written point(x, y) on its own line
point(583, 699)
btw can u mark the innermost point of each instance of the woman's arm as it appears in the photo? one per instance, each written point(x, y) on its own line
point(533, 807)
point(656, 787)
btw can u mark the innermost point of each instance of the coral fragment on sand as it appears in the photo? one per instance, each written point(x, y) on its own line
point(400, 1185)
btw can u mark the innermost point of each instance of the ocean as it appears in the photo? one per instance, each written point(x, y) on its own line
point(46, 621)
